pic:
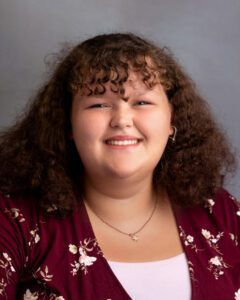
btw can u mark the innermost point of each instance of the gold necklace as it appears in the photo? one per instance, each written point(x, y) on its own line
point(133, 235)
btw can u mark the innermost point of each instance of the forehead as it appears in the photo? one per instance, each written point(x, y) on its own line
point(120, 81)
point(133, 86)
point(139, 73)
point(136, 86)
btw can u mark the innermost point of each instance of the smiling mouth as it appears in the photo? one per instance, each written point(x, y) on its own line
point(122, 143)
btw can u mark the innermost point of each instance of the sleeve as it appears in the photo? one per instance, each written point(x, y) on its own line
point(12, 251)
point(230, 214)
point(234, 207)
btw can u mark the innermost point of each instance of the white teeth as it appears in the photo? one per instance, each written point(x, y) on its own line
point(122, 143)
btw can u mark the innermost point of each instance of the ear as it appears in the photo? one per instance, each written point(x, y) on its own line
point(174, 133)
point(171, 130)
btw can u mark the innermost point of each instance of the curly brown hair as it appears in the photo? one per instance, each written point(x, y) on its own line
point(37, 157)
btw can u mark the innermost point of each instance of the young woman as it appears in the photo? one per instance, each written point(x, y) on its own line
point(111, 184)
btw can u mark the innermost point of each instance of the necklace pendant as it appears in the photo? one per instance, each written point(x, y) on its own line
point(133, 237)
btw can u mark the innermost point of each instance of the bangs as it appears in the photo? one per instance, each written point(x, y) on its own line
point(112, 65)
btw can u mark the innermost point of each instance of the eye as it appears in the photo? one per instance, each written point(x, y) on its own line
point(142, 102)
point(99, 105)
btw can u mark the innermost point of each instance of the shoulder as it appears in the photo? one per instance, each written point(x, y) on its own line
point(20, 209)
point(225, 210)
point(225, 200)
point(220, 213)
point(19, 216)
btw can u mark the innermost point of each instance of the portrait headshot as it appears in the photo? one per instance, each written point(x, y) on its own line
point(119, 150)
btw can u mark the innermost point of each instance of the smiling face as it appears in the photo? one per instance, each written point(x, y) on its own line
point(119, 138)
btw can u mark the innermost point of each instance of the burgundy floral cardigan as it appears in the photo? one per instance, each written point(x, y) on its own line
point(59, 259)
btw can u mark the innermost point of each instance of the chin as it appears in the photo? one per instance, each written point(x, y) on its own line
point(121, 173)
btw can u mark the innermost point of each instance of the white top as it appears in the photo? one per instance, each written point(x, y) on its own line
point(163, 280)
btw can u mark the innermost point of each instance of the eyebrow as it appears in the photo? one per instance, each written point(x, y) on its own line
point(137, 95)
point(124, 98)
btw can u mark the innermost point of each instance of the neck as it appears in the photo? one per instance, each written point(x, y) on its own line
point(120, 201)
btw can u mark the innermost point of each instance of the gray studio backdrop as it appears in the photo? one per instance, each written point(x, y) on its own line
point(204, 35)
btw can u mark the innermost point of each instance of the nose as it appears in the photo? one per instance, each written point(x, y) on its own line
point(121, 118)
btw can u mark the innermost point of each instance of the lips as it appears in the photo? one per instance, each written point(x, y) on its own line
point(122, 140)
point(122, 143)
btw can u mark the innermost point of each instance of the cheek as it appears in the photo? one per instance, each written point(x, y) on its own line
point(159, 125)
point(87, 129)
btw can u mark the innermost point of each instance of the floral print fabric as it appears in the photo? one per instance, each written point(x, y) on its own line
point(53, 258)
